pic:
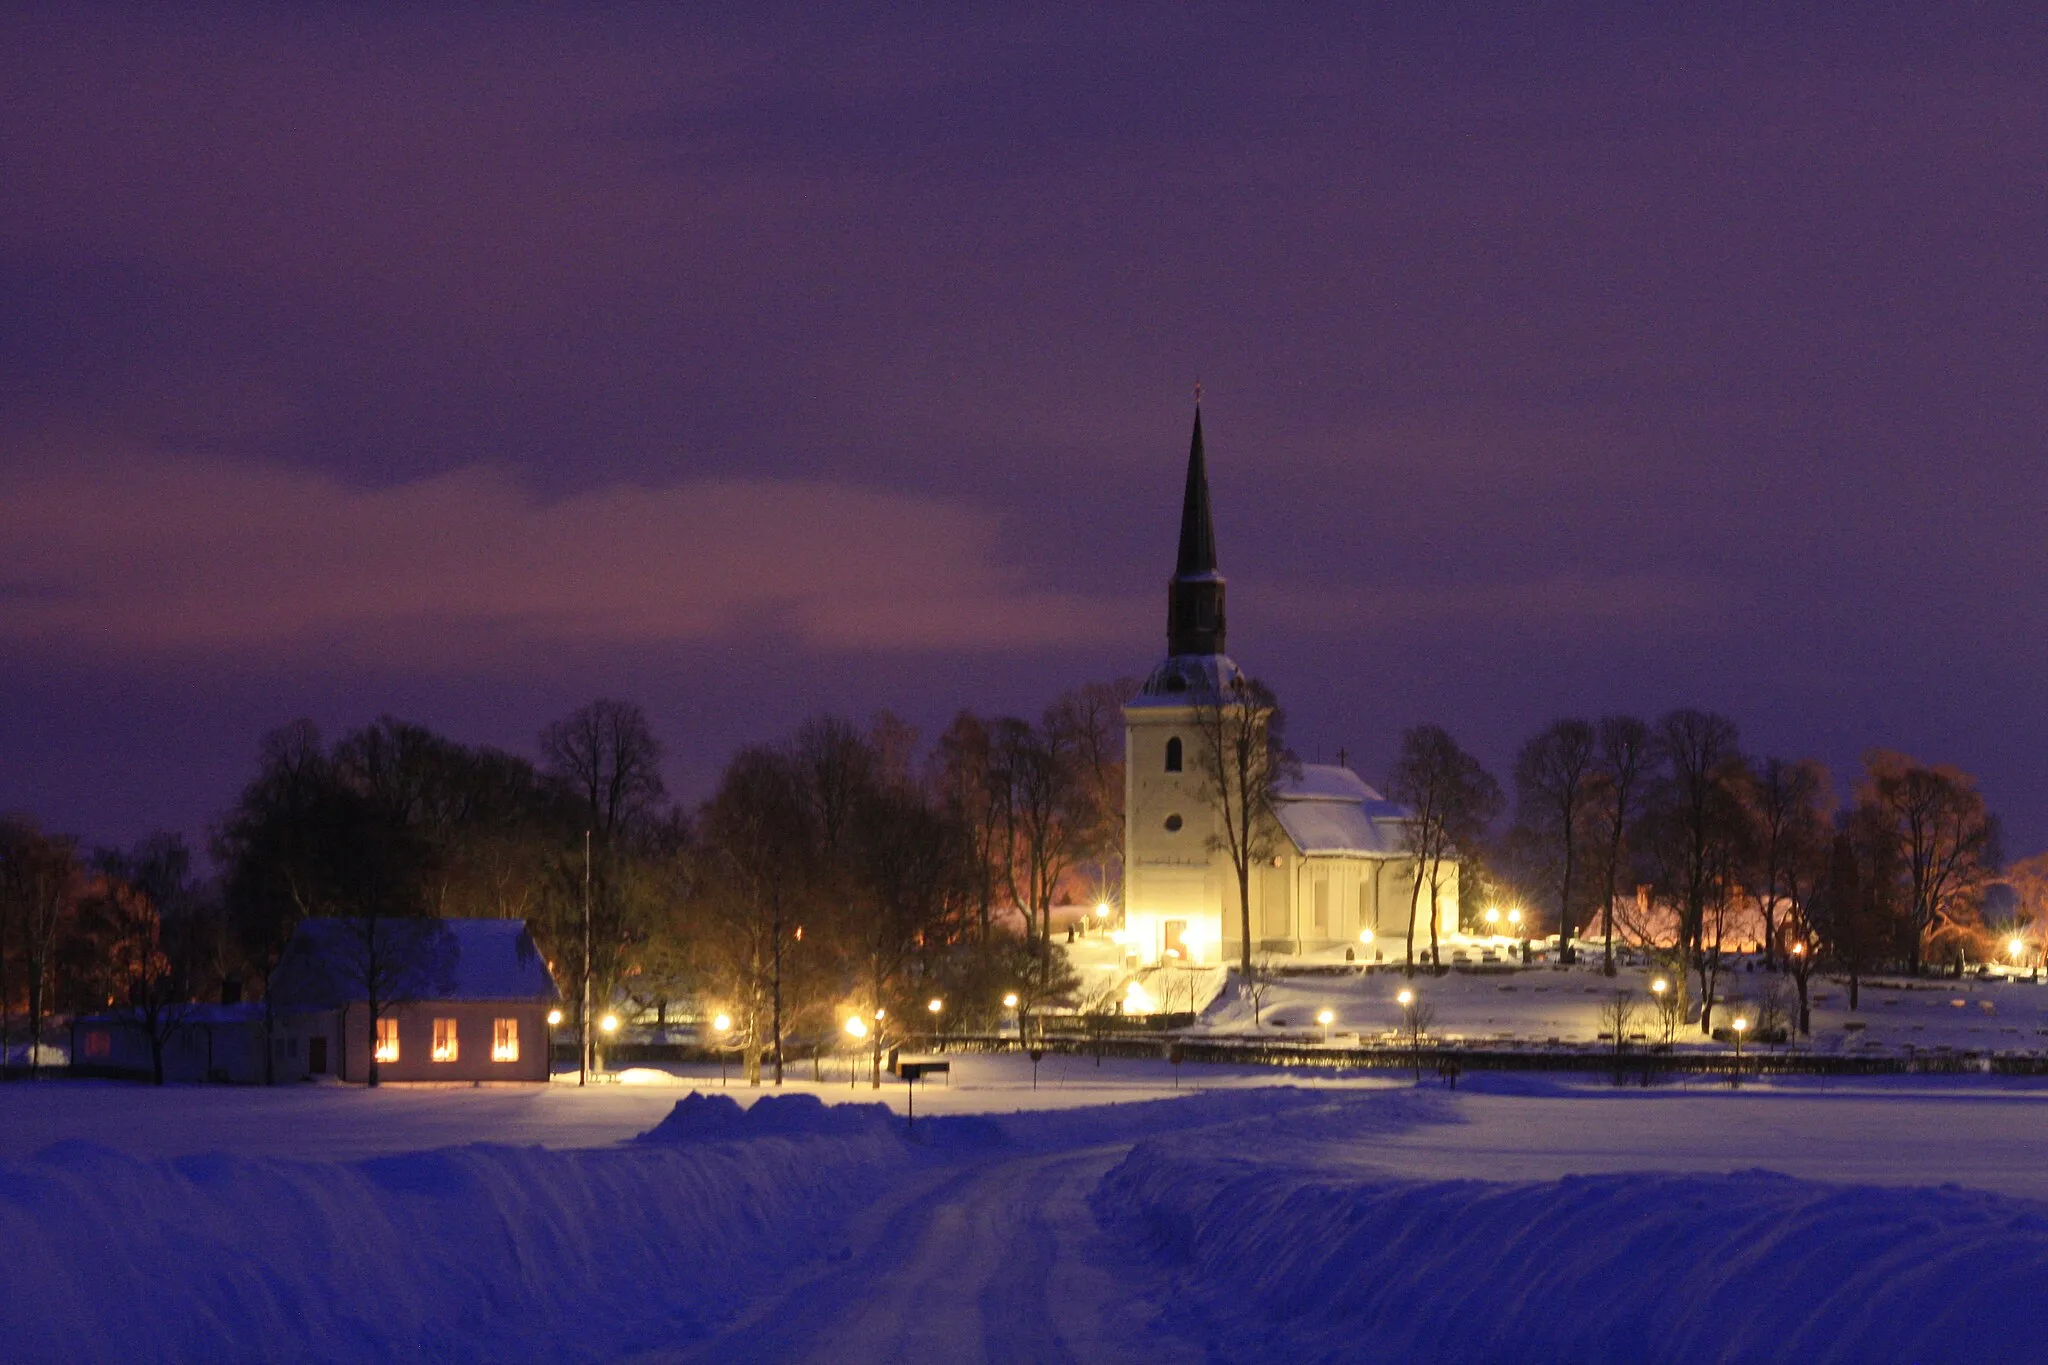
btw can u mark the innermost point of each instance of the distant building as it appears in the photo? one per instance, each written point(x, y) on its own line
point(1338, 871)
point(470, 1002)
point(201, 1043)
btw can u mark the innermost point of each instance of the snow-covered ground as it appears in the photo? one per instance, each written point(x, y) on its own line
point(1103, 1216)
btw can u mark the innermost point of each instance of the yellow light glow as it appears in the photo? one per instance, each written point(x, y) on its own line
point(1514, 917)
point(610, 1023)
point(1406, 997)
point(881, 1014)
point(1010, 1001)
point(1102, 909)
point(722, 1022)
point(387, 1040)
point(1741, 1025)
point(1799, 950)
point(855, 1027)
point(1325, 1018)
point(935, 1005)
point(505, 1040)
point(554, 1018)
point(1365, 935)
point(446, 1048)
point(2016, 947)
point(1493, 916)
point(1137, 1000)
point(1659, 986)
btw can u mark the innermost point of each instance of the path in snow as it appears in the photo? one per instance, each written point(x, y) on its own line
point(998, 1262)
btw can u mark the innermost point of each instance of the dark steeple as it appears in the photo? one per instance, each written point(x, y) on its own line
point(1194, 598)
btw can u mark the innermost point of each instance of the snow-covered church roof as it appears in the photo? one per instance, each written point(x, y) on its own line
point(1326, 809)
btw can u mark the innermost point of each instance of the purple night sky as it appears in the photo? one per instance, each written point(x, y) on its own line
point(356, 360)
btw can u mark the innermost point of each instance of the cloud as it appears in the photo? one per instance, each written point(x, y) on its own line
point(143, 555)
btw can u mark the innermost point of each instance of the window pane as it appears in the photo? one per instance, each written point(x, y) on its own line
point(387, 1040)
point(505, 1040)
point(444, 1040)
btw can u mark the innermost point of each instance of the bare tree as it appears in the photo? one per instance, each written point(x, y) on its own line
point(1947, 841)
point(607, 753)
point(1450, 800)
point(1089, 721)
point(1625, 759)
point(42, 883)
point(1048, 816)
point(1617, 1017)
point(1556, 777)
point(1700, 829)
point(1790, 814)
point(1241, 754)
point(966, 778)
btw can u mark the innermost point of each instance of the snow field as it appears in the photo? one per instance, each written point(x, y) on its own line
point(471, 1253)
point(1278, 1265)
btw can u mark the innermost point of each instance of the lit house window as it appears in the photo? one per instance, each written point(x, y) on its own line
point(505, 1040)
point(444, 1040)
point(99, 1043)
point(387, 1040)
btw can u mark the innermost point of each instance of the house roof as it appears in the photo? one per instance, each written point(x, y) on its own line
point(437, 959)
point(1326, 809)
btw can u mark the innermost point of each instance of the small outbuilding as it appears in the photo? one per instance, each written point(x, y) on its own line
point(459, 1000)
point(200, 1043)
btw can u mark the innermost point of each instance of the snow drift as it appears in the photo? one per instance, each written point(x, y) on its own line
point(471, 1253)
point(1280, 1265)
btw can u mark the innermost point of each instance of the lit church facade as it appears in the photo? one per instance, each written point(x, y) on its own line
point(1337, 877)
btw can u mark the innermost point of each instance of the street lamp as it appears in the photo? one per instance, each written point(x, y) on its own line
point(1741, 1026)
point(1010, 1001)
point(1492, 920)
point(1326, 1018)
point(554, 1018)
point(855, 1028)
point(721, 1024)
point(1406, 999)
point(1365, 936)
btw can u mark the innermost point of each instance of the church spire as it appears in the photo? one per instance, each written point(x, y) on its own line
point(1194, 597)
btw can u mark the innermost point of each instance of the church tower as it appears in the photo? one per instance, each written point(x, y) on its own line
point(1173, 895)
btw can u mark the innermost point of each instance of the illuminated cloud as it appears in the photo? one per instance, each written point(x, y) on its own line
point(141, 555)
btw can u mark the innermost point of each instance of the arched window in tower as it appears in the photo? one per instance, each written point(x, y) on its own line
point(1173, 754)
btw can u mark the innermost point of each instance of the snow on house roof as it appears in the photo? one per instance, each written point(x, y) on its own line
point(1326, 809)
point(457, 959)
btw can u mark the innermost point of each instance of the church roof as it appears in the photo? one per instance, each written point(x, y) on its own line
point(1186, 680)
point(425, 959)
point(1197, 528)
point(1326, 809)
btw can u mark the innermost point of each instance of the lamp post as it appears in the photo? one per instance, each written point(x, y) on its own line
point(1326, 1018)
point(721, 1024)
point(1406, 999)
point(1741, 1027)
point(1660, 988)
point(855, 1030)
point(1493, 921)
point(937, 1007)
point(608, 1025)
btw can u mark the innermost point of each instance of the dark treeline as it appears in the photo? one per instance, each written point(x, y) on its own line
point(843, 872)
point(1669, 836)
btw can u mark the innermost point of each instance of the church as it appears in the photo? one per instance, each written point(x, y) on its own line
point(1337, 882)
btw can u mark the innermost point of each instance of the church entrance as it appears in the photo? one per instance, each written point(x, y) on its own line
point(1175, 934)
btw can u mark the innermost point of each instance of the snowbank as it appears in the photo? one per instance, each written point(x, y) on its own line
point(472, 1253)
point(1286, 1265)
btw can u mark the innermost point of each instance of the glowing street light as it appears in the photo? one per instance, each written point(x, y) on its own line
point(1492, 919)
point(722, 1022)
point(1102, 909)
point(2016, 947)
point(554, 1018)
point(855, 1028)
point(1741, 1026)
point(936, 1005)
point(1514, 917)
point(1326, 1018)
point(1659, 986)
point(1406, 997)
point(610, 1023)
point(1365, 936)
point(1010, 1001)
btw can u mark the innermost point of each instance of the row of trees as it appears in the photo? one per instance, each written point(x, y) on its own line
point(1672, 836)
point(842, 869)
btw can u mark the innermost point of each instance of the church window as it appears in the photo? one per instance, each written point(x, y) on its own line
point(505, 1040)
point(446, 1048)
point(1173, 752)
point(386, 1049)
point(1173, 824)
